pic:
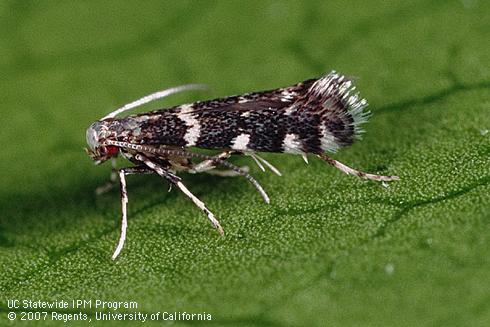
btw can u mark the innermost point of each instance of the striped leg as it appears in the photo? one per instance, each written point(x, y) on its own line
point(124, 201)
point(350, 171)
point(233, 171)
point(210, 164)
point(184, 154)
point(111, 183)
point(228, 172)
point(175, 180)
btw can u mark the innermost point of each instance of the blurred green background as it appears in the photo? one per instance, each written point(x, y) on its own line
point(330, 249)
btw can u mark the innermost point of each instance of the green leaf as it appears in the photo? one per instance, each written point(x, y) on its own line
point(330, 249)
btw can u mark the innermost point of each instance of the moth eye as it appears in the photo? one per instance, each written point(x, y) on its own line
point(108, 150)
point(112, 150)
point(103, 150)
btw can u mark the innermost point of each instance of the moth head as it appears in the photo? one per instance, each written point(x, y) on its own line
point(96, 135)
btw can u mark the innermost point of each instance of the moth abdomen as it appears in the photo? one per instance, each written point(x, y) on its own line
point(310, 117)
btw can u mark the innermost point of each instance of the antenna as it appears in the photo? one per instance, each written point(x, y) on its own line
point(156, 96)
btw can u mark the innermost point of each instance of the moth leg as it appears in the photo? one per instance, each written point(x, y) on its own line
point(209, 164)
point(185, 154)
point(124, 201)
point(350, 171)
point(112, 180)
point(227, 173)
point(259, 160)
point(248, 177)
point(175, 180)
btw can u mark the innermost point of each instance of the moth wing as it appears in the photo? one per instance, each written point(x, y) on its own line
point(265, 100)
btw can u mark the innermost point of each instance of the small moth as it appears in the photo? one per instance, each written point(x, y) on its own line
point(309, 118)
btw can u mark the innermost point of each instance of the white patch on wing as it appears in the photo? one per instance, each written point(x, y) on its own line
point(240, 142)
point(292, 144)
point(141, 118)
point(328, 140)
point(194, 128)
point(289, 110)
point(186, 108)
point(287, 96)
point(245, 114)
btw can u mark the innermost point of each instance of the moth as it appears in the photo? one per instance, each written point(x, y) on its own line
point(309, 118)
